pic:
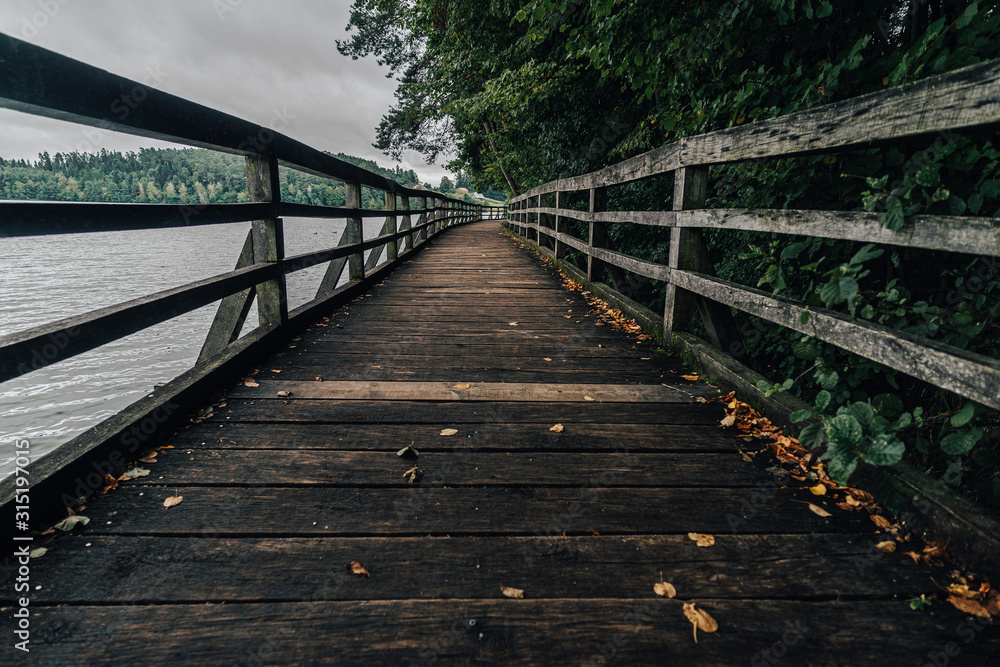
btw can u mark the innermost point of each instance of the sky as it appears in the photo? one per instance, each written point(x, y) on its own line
point(260, 60)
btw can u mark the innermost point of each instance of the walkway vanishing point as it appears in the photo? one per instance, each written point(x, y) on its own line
point(282, 494)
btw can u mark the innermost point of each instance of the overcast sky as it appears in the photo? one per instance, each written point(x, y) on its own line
point(251, 58)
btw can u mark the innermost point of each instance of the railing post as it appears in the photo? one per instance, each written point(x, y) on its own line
point(391, 248)
point(406, 224)
point(598, 237)
point(354, 232)
point(688, 253)
point(558, 224)
point(268, 239)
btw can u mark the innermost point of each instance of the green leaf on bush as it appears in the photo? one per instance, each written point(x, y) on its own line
point(841, 468)
point(811, 435)
point(843, 429)
point(884, 451)
point(960, 442)
point(800, 416)
point(823, 400)
point(929, 176)
point(863, 413)
point(963, 416)
point(827, 379)
point(804, 350)
point(893, 218)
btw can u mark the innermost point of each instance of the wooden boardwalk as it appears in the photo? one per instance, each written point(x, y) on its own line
point(281, 493)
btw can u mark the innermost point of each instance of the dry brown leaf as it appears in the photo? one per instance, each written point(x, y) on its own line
point(284, 394)
point(558, 428)
point(880, 520)
point(588, 398)
point(845, 507)
point(816, 509)
point(914, 555)
point(513, 324)
point(449, 431)
point(699, 619)
point(886, 547)
point(319, 378)
point(413, 475)
point(962, 591)
point(690, 378)
point(173, 500)
point(515, 593)
point(728, 420)
point(852, 501)
point(460, 386)
point(702, 540)
point(993, 603)
point(818, 490)
point(547, 358)
point(664, 589)
point(251, 383)
point(969, 606)
point(357, 569)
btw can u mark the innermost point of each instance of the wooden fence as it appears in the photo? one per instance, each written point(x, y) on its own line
point(44, 83)
point(966, 100)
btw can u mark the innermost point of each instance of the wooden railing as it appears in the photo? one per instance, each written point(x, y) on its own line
point(967, 100)
point(44, 83)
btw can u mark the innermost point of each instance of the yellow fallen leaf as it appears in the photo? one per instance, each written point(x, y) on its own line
point(275, 370)
point(513, 324)
point(699, 619)
point(664, 589)
point(515, 593)
point(914, 555)
point(449, 431)
point(816, 509)
point(588, 398)
point(690, 378)
point(547, 358)
point(887, 546)
point(961, 590)
point(558, 428)
point(173, 500)
point(358, 569)
point(284, 394)
point(460, 386)
point(251, 383)
point(968, 606)
point(728, 420)
point(880, 521)
point(732, 404)
point(818, 490)
point(702, 540)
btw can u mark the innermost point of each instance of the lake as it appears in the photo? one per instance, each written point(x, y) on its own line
point(46, 278)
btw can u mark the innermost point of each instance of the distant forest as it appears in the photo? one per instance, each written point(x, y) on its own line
point(181, 176)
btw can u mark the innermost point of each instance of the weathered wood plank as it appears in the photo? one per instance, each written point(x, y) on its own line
point(421, 510)
point(170, 569)
point(232, 312)
point(968, 374)
point(499, 631)
point(268, 240)
point(452, 391)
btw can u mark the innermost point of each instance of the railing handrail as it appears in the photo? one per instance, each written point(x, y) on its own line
point(965, 99)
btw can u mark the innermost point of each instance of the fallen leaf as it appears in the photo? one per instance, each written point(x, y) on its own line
point(816, 509)
point(852, 501)
point(133, 473)
point(515, 593)
point(699, 619)
point(969, 606)
point(588, 398)
point(513, 324)
point(147, 460)
point(460, 386)
point(408, 451)
point(993, 603)
point(664, 589)
point(71, 522)
point(702, 540)
point(880, 521)
point(728, 420)
point(690, 378)
point(251, 383)
point(886, 547)
point(914, 555)
point(845, 507)
point(37, 553)
point(173, 500)
point(358, 569)
point(558, 428)
point(547, 358)
point(319, 378)
point(275, 371)
point(962, 591)
point(284, 394)
point(413, 475)
point(449, 431)
point(818, 490)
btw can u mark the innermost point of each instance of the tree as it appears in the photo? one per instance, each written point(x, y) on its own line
point(446, 185)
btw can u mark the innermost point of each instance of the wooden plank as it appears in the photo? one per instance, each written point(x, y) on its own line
point(650, 218)
point(511, 510)
point(159, 569)
point(499, 631)
point(417, 412)
point(975, 236)
point(355, 232)
point(968, 374)
point(302, 468)
point(485, 437)
point(452, 391)
point(268, 241)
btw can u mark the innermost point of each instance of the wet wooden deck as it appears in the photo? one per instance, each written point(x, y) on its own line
point(281, 493)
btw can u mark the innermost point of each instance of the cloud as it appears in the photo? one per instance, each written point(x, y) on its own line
point(249, 58)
